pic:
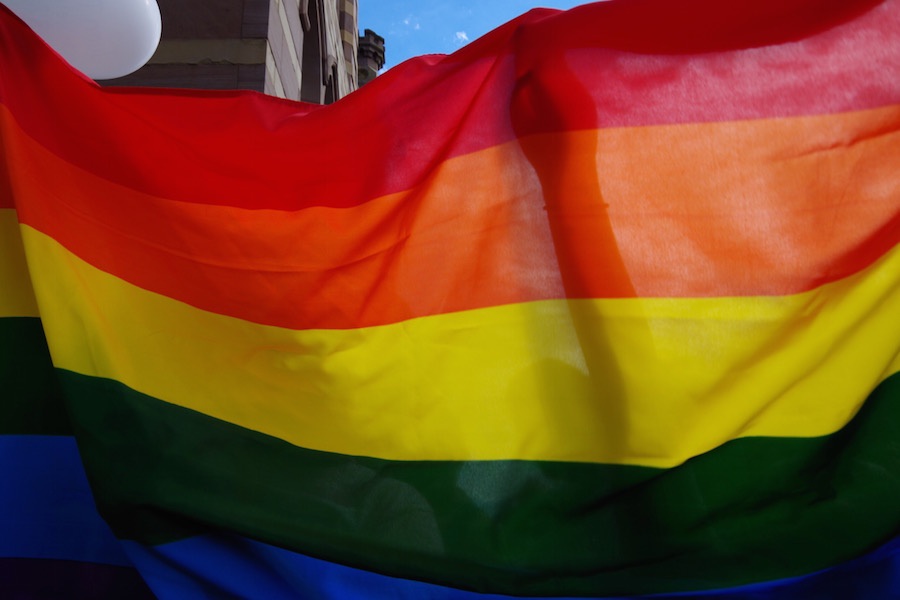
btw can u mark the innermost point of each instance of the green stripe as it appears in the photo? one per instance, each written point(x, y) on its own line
point(30, 396)
point(754, 509)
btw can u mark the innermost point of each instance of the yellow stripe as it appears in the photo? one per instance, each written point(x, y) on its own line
point(635, 381)
point(16, 294)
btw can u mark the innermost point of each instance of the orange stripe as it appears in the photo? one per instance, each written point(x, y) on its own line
point(6, 196)
point(763, 207)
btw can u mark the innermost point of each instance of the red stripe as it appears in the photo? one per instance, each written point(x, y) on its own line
point(250, 151)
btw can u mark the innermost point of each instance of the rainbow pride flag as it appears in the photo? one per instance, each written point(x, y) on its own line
point(604, 305)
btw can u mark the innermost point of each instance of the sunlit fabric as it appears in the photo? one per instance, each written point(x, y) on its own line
point(604, 305)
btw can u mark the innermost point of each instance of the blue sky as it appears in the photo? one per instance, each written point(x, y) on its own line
point(415, 27)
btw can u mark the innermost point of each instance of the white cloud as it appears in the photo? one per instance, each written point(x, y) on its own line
point(462, 37)
point(412, 22)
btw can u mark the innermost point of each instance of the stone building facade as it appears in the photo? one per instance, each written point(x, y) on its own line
point(298, 49)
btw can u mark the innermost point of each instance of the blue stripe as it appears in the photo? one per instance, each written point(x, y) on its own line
point(223, 566)
point(46, 507)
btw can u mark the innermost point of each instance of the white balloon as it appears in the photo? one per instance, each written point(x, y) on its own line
point(101, 38)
